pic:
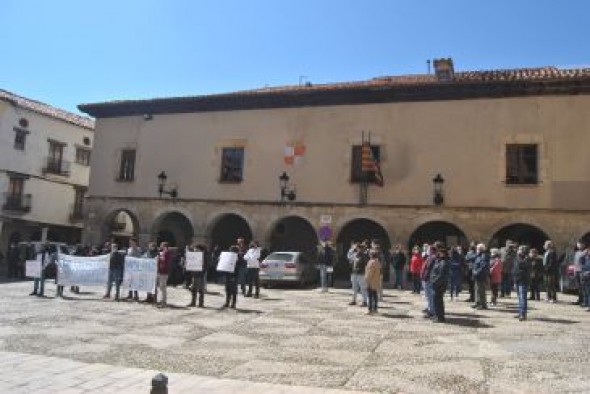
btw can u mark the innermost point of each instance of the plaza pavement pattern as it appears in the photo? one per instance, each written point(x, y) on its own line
point(289, 341)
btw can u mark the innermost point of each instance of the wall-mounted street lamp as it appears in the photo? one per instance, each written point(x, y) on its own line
point(287, 191)
point(438, 181)
point(172, 192)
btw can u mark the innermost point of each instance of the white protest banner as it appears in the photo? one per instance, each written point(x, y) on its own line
point(140, 273)
point(33, 267)
point(227, 262)
point(82, 271)
point(194, 261)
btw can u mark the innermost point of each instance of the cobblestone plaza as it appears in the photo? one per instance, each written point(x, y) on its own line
point(289, 341)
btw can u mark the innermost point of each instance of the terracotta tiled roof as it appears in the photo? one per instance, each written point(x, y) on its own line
point(45, 109)
point(514, 75)
point(418, 87)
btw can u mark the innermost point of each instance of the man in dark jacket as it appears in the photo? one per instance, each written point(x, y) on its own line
point(551, 267)
point(164, 263)
point(508, 255)
point(116, 265)
point(522, 276)
point(481, 273)
point(469, 259)
point(536, 274)
point(398, 260)
point(439, 277)
point(231, 283)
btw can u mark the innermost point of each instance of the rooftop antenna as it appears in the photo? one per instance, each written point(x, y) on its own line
point(428, 65)
point(302, 79)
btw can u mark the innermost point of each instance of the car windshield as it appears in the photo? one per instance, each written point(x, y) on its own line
point(280, 257)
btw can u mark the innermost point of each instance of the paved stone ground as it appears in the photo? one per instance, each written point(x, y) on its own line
point(288, 341)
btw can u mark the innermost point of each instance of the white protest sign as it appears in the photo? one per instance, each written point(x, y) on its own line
point(83, 271)
point(227, 262)
point(252, 257)
point(194, 261)
point(33, 267)
point(140, 273)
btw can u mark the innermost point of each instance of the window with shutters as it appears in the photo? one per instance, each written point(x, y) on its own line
point(522, 164)
point(127, 168)
point(232, 165)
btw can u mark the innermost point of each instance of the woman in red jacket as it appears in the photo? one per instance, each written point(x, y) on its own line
point(416, 264)
point(495, 273)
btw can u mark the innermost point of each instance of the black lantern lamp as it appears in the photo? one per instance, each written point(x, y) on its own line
point(287, 191)
point(162, 177)
point(438, 181)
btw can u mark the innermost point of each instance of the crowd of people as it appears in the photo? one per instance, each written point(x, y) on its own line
point(170, 270)
point(434, 270)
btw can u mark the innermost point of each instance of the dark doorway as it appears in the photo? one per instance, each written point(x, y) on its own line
point(228, 229)
point(586, 239)
point(522, 234)
point(294, 234)
point(359, 230)
point(431, 232)
point(175, 229)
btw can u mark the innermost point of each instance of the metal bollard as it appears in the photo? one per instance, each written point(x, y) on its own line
point(159, 384)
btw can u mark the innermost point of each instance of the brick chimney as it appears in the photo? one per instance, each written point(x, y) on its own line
point(444, 69)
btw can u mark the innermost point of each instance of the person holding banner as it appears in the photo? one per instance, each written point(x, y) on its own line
point(116, 266)
point(242, 267)
point(164, 259)
point(252, 258)
point(152, 253)
point(39, 282)
point(197, 261)
point(133, 251)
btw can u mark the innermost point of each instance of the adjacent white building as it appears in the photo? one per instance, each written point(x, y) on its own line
point(44, 169)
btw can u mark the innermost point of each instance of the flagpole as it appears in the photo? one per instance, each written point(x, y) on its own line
point(362, 184)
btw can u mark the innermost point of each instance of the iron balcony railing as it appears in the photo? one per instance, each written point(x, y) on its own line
point(56, 166)
point(17, 202)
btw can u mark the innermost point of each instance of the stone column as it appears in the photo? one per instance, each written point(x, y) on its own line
point(44, 231)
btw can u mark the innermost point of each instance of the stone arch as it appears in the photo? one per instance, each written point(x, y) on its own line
point(521, 233)
point(225, 229)
point(120, 224)
point(437, 230)
point(173, 227)
point(293, 233)
point(359, 229)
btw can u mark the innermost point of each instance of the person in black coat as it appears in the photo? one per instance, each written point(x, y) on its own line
point(536, 274)
point(521, 275)
point(551, 268)
point(116, 266)
point(439, 278)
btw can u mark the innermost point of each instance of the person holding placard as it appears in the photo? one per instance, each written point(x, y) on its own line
point(152, 253)
point(196, 266)
point(252, 258)
point(242, 267)
point(39, 283)
point(116, 266)
point(227, 265)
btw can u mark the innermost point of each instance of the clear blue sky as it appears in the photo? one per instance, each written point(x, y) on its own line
point(66, 52)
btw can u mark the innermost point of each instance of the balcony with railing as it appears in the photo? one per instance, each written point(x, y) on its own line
point(56, 166)
point(17, 202)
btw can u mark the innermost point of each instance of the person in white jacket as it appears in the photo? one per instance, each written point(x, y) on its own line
point(252, 258)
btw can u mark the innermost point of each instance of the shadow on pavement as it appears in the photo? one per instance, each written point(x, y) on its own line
point(395, 316)
point(270, 299)
point(559, 321)
point(465, 322)
point(249, 311)
point(467, 315)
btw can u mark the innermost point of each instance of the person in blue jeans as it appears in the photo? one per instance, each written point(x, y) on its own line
point(326, 259)
point(39, 283)
point(522, 279)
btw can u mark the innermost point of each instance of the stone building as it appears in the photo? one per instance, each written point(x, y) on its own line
point(44, 170)
point(508, 149)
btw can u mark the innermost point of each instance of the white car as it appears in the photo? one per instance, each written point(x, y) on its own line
point(285, 267)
